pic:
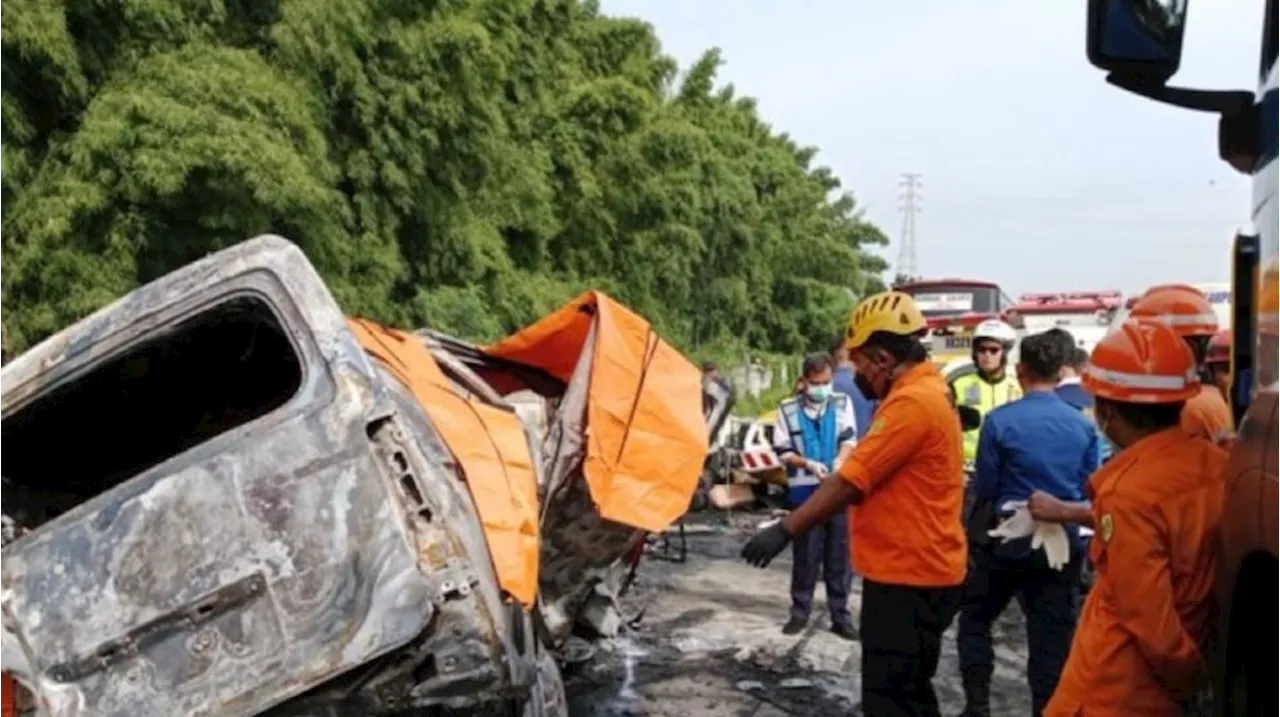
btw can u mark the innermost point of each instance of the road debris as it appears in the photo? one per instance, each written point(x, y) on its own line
point(711, 644)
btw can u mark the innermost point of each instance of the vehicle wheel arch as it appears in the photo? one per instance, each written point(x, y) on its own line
point(1252, 604)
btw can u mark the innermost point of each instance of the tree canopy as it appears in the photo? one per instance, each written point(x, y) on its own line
point(467, 165)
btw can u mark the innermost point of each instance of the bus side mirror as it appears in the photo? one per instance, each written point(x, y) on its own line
point(1139, 40)
point(970, 418)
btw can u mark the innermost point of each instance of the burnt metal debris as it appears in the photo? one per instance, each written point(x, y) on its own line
point(215, 503)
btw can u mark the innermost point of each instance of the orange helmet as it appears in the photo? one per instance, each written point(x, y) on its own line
point(1144, 361)
point(1183, 308)
point(1162, 287)
point(1219, 348)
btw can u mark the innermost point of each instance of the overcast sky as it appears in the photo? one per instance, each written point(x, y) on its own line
point(1037, 174)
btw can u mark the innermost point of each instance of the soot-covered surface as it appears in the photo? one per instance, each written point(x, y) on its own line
point(708, 642)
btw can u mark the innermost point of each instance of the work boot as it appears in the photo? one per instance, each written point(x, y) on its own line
point(794, 626)
point(845, 630)
point(977, 695)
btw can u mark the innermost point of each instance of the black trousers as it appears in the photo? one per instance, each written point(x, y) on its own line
point(1049, 599)
point(902, 630)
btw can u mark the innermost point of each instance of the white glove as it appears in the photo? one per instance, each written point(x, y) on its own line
point(1052, 539)
point(1018, 525)
point(816, 467)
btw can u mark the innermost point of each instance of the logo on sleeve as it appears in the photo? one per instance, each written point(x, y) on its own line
point(877, 425)
point(1107, 527)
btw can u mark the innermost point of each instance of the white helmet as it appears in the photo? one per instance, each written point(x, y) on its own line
point(995, 330)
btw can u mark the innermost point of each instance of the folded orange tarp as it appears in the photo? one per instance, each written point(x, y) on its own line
point(490, 445)
point(647, 437)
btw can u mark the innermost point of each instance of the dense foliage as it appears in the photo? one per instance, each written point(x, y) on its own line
point(466, 164)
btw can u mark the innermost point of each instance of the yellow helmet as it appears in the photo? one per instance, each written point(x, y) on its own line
point(893, 312)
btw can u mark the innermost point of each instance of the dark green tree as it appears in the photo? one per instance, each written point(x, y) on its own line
point(466, 165)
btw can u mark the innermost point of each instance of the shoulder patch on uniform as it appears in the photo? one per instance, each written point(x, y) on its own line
point(877, 425)
point(1107, 526)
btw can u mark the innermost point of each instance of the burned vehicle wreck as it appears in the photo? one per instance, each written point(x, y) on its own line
point(273, 509)
point(601, 372)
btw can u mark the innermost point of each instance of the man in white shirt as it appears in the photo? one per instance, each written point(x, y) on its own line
point(813, 433)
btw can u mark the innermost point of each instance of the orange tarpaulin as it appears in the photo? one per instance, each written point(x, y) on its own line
point(647, 437)
point(8, 697)
point(490, 445)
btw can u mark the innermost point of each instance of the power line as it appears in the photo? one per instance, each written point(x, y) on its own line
point(1067, 222)
point(1209, 188)
point(907, 259)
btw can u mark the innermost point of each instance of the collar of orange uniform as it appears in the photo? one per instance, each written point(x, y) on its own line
point(914, 374)
point(1144, 448)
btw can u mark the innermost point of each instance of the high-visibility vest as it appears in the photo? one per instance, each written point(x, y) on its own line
point(974, 391)
point(801, 483)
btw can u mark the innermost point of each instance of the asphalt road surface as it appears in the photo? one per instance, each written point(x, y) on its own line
point(706, 641)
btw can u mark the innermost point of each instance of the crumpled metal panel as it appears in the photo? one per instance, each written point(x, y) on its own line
point(579, 547)
point(280, 558)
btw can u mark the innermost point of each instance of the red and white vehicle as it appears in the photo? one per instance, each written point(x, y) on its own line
point(1087, 315)
point(953, 308)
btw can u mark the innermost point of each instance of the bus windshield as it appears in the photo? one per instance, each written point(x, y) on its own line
point(937, 300)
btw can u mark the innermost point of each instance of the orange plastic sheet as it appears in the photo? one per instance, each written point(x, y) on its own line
point(647, 437)
point(8, 696)
point(487, 442)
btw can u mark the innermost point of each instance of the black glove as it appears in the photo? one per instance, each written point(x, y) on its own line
point(765, 545)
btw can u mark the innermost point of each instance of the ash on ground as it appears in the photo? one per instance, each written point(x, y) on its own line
point(706, 640)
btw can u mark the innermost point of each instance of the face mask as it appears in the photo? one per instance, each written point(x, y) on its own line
point(818, 393)
point(867, 385)
point(864, 386)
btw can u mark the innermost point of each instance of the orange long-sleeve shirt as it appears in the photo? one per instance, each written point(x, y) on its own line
point(909, 465)
point(1157, 508)
point(1207, 416)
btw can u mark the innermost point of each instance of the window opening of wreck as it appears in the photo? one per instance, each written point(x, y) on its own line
point(171, 391)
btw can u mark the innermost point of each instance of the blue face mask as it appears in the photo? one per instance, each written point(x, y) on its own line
point(818, 393)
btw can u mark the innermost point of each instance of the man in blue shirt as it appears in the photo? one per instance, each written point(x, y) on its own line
point(843, 382)
point(1037, 442)
point(1070, 390)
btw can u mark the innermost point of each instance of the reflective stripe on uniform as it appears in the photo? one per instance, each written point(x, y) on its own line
point(791, 412)
point(1146, 382)
point(974, 391)
point(1183, 320)
point(797, 477)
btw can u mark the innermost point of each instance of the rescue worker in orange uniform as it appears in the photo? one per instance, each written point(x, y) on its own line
point(905, 478)
point(1186, 310)
point(1156, 510)
point(1217, 363)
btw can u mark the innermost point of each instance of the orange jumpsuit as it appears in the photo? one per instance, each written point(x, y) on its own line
point(1157, 507)
point(1207, 415)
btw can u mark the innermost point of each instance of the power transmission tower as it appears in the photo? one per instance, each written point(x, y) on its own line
point(910, 207)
